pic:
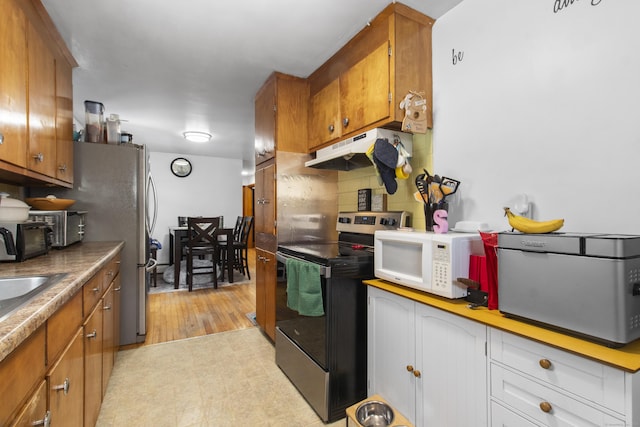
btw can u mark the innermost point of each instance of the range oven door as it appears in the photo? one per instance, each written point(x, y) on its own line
point(308, 333)
point(325, 357)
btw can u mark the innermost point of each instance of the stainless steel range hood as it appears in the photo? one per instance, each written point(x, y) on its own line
point(351, 153)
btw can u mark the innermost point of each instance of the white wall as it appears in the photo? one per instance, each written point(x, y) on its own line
point(214, 188)
point(544, 103)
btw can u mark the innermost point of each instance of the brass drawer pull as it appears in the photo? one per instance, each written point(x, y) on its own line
point(546, 407)
point(545, 363)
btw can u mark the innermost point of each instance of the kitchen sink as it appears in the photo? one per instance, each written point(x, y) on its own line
point(17, 291)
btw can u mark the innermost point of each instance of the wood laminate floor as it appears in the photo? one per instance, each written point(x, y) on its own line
point(180, 315)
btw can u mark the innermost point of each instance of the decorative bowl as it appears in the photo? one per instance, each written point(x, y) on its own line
point(49, 203)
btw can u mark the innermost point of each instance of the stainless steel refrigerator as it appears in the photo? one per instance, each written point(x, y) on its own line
point(113, 183)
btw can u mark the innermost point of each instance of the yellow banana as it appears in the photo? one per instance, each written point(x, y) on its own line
point(531, 226)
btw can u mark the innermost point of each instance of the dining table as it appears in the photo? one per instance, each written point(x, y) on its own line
point(178, 240)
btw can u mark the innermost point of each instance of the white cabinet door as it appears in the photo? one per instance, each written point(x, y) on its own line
point(451, 357)
point(391, 332)
point(430, 365)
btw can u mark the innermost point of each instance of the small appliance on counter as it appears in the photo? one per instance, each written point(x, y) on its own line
point(23, 240)
point(67, 227)
point(426, 261)
point(584, 284)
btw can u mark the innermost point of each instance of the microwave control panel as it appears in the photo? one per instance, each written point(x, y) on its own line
point(441, 266)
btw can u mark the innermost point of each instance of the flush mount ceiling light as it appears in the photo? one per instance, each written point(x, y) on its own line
point(197, 136)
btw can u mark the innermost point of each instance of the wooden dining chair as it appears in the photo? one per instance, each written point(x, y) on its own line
point(202, 243)
point(240, 247)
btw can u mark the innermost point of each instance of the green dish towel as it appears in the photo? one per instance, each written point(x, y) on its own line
point(304, 290)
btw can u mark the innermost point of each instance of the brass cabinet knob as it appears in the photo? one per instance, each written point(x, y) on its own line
point(546, 407)
point(417, 373)
point(409, 368)
point(545, 363)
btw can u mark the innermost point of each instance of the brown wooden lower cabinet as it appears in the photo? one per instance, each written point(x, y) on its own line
point(109, 346)
point(93, 338)
point(266, 292)
point(62, 370)
point(35, 411)
point(20, 372)
point(66, 385)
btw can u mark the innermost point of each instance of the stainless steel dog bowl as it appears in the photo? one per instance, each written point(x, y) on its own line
point(374, 414)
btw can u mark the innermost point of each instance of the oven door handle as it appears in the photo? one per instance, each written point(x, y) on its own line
point(324, 270)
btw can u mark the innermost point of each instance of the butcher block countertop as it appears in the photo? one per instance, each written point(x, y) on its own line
point(80, 261)
point(626, 358)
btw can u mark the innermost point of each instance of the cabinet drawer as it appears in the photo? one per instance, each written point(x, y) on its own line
point(503, 417)
point(110, 271)
point(92, 292)
point(61, 327)
point(593, 381)
point(528, 397)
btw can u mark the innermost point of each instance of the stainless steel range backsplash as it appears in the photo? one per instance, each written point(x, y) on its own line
point(307, 200)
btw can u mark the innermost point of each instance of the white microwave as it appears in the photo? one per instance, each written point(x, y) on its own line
point(426, 261)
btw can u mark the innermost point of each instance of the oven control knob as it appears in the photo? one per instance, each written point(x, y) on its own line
point(344, 220)
point(388, 221)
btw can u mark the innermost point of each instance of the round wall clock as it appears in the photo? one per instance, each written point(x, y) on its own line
point(181, 167)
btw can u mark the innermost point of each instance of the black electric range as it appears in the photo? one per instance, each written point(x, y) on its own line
point(324, 355)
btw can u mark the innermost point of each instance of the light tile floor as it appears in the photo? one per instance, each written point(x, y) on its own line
point(224, 379)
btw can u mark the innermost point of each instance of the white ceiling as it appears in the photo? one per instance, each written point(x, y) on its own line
point(168, 66)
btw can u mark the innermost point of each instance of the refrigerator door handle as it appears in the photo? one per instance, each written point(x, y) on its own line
point(151, 264)
point(151, 185)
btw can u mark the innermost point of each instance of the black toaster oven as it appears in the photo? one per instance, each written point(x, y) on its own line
point(21, 241)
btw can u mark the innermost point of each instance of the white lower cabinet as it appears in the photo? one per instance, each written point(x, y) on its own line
point(551, 387)
point(441, 369)
point(429, 364)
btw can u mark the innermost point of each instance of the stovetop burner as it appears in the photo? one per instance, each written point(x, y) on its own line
point(323, 253)
point(356, 235)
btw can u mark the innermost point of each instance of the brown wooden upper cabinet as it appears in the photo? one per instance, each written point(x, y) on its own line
point(41, 155)
point(280, 116)
point(361, 86)
point(13, 84)
point(36, 111)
